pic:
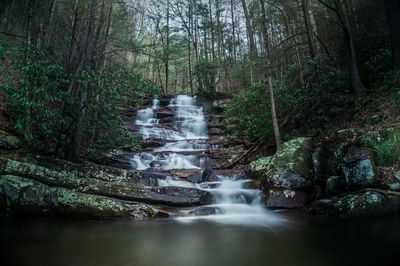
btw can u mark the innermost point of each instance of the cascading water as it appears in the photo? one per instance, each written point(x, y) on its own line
point(185, 149)
point(190, 127)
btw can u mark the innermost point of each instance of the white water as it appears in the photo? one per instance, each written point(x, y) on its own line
point(233, 203)
point(190, 126)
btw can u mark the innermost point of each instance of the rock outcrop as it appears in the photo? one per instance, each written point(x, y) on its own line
point(286, 175)
point(370, 203)
point(23, 195)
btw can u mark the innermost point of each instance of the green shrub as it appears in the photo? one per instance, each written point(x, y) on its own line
point(385, 145)
point(45, 106)
point(389, 151)
point(249, 117)
point(307, 98)
point(205, 72)
point(107, 97)
point(35, 88)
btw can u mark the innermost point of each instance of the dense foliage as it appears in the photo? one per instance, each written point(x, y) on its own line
point(245, 118)
point(44, 105)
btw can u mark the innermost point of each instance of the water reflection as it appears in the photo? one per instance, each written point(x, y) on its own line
point(306, 242)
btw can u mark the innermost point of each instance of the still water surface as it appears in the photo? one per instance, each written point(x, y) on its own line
point(307, 241)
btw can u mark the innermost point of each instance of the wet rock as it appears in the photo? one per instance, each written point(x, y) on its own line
point(204, 211)
point(335, 185)
point(150, 178)
point(218, 140)
point(368, 204)
point(358, 168)
point(120, 189)
point(289, 168)
point(9, 142)
point(167, 120)
point(214, 120)
point(215, 131)
point(325, 163)
point(217, 175)
point(192, 175)
point(152, 143)
point(288, 199)
point(360, 174)
point(31, 197)
point(165, 113)
point(226, 156)
point(23, 194)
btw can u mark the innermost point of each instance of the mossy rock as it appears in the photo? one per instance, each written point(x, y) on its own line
point(368, 204)
point(289, 168)
point(9, 142)
point(119, 189)
point(27, 196)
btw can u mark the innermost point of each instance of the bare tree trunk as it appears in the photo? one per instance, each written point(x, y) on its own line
point(358, 86)
point(305, 8)
point(250, 37)
point(233, 30)
point(43, 39)
point(74, 150)
point(393, 14)
point(267, 50)
point(166, 51)
point(212, 30)
point(29, 22)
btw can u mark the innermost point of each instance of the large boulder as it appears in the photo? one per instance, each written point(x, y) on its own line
point(32, 197)
point(358, 168)
point(289, 168)
point(9, 142)
point(287, 175)
point(370, 203)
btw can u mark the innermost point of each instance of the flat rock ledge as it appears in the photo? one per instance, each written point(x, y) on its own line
point(32, 189)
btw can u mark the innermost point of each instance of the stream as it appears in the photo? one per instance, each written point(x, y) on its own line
point(185, 148)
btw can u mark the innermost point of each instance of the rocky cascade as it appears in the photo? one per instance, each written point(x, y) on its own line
point(142, 185)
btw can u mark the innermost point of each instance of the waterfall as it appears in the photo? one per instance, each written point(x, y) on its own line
point(185, 148)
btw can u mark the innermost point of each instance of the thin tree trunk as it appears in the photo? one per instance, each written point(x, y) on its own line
point(306, 16)
point(393, 14)
point(29, 22)
point(267, 55)
point(43, 39)
point(358, 86)
point(250, 37)
point(212, 30)
point(74, 151)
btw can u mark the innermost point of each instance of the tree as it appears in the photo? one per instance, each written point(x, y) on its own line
point(267, 55)
point(340, 10)
point(393, 14)
point(74, 151)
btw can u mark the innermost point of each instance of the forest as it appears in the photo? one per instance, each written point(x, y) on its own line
point(321, 59)
point(139, 108)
